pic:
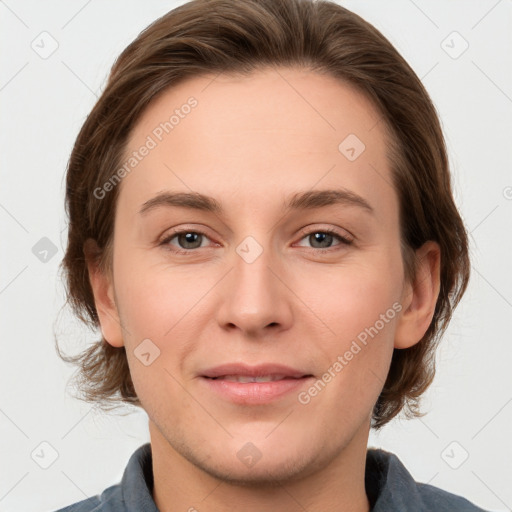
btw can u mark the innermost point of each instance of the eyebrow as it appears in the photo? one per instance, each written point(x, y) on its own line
point(307, 200)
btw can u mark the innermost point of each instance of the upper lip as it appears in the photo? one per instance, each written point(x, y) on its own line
point(259, 370)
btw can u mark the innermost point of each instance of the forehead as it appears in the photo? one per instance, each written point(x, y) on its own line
point(260, 136)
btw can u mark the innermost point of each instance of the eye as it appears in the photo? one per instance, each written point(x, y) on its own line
point(187, 241)
point(324, 238)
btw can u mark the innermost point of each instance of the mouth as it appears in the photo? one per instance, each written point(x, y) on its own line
point(247, 378)
point(267, 371)
point(252, 385)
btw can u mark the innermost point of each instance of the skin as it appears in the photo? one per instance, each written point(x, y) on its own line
point(251, 142)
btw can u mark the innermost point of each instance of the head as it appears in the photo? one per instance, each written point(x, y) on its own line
point(259, 106)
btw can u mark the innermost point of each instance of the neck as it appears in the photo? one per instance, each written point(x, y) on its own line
point(181, 486)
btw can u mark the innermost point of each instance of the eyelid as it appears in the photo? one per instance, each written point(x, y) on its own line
point(343, 234)
point(178, 230)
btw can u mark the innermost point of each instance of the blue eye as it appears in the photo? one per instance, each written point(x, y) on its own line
point(326, 236)
point(189, 240)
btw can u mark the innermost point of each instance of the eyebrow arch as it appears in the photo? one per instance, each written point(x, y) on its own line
point(192, 200)
point(307, 200)
point(318, 198)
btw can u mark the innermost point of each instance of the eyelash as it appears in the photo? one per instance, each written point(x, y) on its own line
point(344, 241)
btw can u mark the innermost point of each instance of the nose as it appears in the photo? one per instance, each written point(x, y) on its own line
point(255, 298)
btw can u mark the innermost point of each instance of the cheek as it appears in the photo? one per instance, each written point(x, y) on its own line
point(155, 300)
point(358, 307)
point(350, 298)
point(165, 305)
point(157, 308)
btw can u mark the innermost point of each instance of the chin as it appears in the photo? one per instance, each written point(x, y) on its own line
point(264, 473)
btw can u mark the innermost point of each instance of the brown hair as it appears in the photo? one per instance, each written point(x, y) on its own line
point(240, 36)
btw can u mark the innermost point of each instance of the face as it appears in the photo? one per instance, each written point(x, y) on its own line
point(272, 274)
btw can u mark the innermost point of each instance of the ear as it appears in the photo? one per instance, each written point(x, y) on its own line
point(419, 297)
point(103, 290)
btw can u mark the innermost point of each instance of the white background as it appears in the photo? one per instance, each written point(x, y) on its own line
point(43, 104)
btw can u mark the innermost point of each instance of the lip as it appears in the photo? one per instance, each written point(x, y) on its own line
point(254, 393)
point(259, 370)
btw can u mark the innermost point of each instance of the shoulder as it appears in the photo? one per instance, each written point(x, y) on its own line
point(134, 488)
point(109, 501)
point(86, 505)
point(437, 499)
point(392, 488)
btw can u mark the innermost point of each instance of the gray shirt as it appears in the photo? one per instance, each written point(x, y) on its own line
point(389, 486)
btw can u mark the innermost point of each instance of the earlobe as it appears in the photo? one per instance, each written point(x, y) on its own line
point(420, 297)
point(103, 291)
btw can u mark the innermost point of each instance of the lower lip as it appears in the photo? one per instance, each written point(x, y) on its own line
point(254, 392)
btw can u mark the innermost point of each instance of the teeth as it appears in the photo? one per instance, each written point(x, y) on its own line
point(245, 378)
